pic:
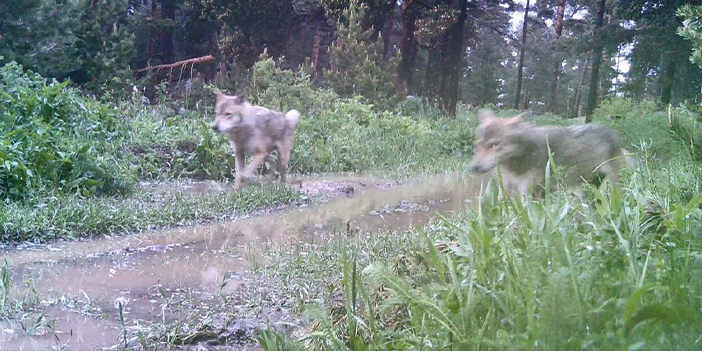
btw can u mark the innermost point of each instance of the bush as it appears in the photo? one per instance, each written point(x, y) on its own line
point(163, 144)
point(52, 137)
point(358, 66)
point(284, 89)
point(351, 136)
point(643, 122)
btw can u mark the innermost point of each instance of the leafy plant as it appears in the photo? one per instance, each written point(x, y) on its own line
point(51, 137)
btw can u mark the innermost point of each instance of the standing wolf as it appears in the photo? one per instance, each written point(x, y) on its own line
point(256, 131)
point(586, 152)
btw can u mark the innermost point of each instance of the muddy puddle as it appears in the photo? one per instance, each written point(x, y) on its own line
point(134, 270)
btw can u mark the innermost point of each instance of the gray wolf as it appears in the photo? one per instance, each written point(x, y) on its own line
point(587, 153)
point(255, 131)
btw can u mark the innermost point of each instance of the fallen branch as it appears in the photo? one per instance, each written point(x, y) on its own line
point(171, 66)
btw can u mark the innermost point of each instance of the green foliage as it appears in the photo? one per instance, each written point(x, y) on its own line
point(4, 288)
point(352, 136)
point(660, 64)
point(89, 42)
point(692, 30)
point(163, 144)
point(105, 46)
point(644, 122)
point(357, 63)
point(616, 269)
point(285, 89)
point(52, 137)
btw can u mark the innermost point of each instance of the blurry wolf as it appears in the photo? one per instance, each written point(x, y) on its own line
point(585, 152)
point(257, 131)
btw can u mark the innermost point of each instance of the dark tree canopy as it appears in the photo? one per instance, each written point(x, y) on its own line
point(447, 51)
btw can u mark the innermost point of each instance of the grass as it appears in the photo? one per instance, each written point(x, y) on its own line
point(73, 216)
point(616, 270)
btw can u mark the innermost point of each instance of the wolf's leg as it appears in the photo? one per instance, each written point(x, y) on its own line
point(239, 169)
point(256, 162)
point(283, 164)
point(610, 171)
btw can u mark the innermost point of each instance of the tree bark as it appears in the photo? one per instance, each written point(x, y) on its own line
point(578, 89)
point(605, 82)
point(668, 80)
point(388, 25)
point(449, 58)
point(408, 45)
point(596, 62)
point(152, 34)
point(553, 89)
point(520, 68)
point(168, 10)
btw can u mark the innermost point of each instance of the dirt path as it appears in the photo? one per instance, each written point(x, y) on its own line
point(82, 283)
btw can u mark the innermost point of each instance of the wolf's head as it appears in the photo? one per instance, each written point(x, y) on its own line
point(491, 140)
point(229, 112)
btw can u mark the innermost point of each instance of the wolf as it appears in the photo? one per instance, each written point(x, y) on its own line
point(587, 153)
point(256, 131)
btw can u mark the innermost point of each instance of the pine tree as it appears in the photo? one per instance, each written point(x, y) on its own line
point(104, 45)
point(692, 30)
point(358, 66)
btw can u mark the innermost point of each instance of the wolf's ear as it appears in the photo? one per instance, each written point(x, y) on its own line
point(239, 99)
point(221, 96)
point(484, 114)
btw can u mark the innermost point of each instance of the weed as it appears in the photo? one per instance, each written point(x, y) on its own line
point(4, 288)
point(587, 272)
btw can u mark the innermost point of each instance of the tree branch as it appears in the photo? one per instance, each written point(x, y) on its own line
point(171, 66)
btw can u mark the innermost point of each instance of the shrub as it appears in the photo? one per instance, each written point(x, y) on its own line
point(645, 122)
point(284, 89)
point(52, 137)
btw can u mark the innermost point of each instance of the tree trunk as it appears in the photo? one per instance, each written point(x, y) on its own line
point(520, 69)
point(387, 27)
point(596, 62)
point(553, 89)
point(408, 45)
point(168, 10)
point(668, 80)
point(605, 81)
point(152, 34)
point(447, 57)
point(579, 88)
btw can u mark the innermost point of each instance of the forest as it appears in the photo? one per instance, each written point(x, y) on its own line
point(562, 57)
point(121, 228)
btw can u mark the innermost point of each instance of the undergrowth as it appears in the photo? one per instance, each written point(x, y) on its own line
point(70, 164)
point(616, 269)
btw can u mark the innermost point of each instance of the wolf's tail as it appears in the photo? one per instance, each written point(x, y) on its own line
point(292, 116)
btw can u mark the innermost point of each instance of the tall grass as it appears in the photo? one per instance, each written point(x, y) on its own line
point(616, 269)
